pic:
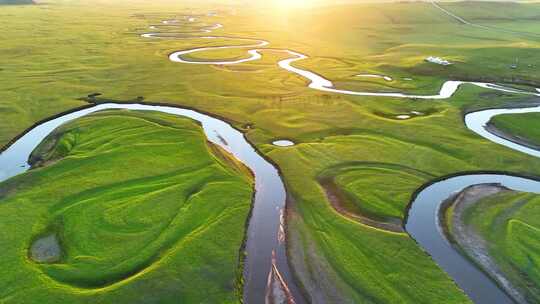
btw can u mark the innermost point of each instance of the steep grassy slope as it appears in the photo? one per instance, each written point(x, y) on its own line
point(142, 209)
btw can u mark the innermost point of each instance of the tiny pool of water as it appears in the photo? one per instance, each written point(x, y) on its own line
point(283, 143)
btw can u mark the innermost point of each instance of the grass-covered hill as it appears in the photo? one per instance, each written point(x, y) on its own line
point(135, 207)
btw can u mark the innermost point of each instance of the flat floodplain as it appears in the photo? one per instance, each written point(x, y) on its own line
point(377, 150)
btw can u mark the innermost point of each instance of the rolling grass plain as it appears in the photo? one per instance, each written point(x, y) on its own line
point(509, 222)
point(64, 50)
point(143, 208)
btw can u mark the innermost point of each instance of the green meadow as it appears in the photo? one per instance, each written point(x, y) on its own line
point(381, 169)
point(522, 126)
point(144, 211)
point(509, 222)
point(63, 50)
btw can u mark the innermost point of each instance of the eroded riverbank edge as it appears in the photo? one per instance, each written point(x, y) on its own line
point(178, 106)
point(493, 129)
point(423, 237)
point(465, 238)
point(337, 198)
point(490, 127)
point(317, 280)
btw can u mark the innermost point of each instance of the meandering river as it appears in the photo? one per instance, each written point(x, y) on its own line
point(265, 248)
point(265, 232)
point(477, 122)
point(422, 221)
point(424, 225)
point(316, 81)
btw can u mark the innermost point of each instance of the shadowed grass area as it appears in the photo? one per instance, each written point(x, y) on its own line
point(144, 209)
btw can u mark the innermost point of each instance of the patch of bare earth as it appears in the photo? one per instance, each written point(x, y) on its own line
point(46, 249)
point(277, 291)
point(317, 278)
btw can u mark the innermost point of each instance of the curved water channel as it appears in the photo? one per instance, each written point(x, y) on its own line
point(265, 247)
point(266, 223)
point(422, 221)
point(424, 225)
point(477, 121)
point(316, 81)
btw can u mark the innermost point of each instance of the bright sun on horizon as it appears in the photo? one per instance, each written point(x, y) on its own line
point(293, 3)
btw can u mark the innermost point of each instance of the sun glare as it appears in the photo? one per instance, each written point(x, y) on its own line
point(293, 3)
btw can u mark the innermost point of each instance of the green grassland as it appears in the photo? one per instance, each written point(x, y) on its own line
point(509, 222)
point(60, 52)
point(76, 48)
point(145, 210)
point(388, 198)
point(523, 126)
point(436, 144)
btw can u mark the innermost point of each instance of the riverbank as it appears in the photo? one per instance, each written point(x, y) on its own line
point(466, 238)
point(341, 204)
point(331, 129)
point(128, 225)
point(518, 128)
point(424, 225)
point(495, 228)
point(492, 128)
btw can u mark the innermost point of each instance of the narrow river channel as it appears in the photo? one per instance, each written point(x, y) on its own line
point(424, 225)
point(422, 222)
point(266, 254)
point(269, 203)
point(262, 237)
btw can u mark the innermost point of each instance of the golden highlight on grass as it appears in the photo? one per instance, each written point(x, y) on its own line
point(54, 54)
